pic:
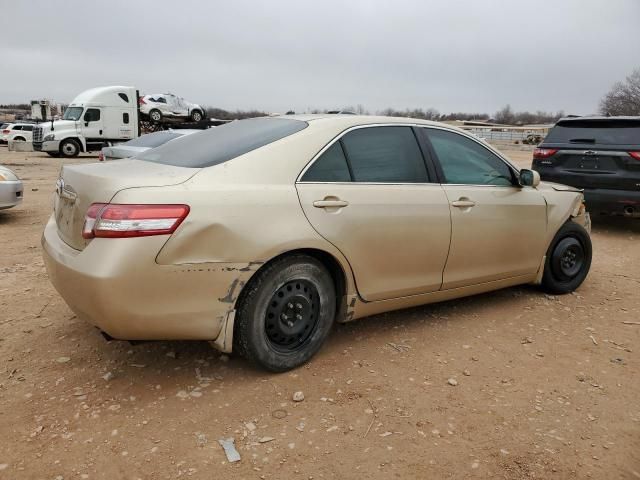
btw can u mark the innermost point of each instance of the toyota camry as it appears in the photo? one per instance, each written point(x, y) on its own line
point(260, 234)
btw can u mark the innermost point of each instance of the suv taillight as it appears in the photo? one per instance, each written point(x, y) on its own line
point(540, 153)
point(6, 131)
point(141, 101)
point(111, 220)
point(635, 155)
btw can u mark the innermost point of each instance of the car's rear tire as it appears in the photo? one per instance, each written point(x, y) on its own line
point(568, 259)
point(196, 116)
point(69, 148)
point(155, 115)
point(285, 313)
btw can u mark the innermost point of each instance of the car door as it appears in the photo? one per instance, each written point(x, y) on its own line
point(92, 124)
point(497, 227)
point(371, 195)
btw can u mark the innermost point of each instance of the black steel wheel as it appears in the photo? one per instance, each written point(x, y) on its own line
point(568, 259)
point(285, 313)
point(292, 315)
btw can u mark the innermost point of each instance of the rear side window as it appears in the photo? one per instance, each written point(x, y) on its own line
point(124, 97)
point(604, 132)
point(221, 144)
point(331, 166)
point(384, 155)
point(465, 162)
point(17, 127)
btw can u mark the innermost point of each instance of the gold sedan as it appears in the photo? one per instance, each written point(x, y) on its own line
point(259, 234)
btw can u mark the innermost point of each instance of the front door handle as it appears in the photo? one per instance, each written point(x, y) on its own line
point(463, 202)
point(330, 203)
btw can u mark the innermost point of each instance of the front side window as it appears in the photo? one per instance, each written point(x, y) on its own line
point(331, 166)
point(466, 162)
point(28, 128)
point(92, 115)
point(384, 155)
point(72, 113)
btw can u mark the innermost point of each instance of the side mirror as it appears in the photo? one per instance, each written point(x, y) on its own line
point(86, 124)
point(529, 178)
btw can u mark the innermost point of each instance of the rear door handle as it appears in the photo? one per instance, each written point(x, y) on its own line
point(463, 203)
point(330, 203)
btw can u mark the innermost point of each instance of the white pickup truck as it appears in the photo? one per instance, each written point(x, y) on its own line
point(97, 118)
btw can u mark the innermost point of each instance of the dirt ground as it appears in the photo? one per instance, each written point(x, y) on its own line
point(547, 387)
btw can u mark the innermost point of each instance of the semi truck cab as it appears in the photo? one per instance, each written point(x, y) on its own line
point(96, 118)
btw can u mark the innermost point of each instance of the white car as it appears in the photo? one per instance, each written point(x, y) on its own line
point(169, 106)
point(16, 131)
point(141, 144)
point(11, 188)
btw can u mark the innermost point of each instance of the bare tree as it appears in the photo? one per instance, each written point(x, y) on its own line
point(505, 115)
point(624, 97)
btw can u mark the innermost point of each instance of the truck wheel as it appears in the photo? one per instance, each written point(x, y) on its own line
point(155, 115)
point(196, 116)
point(285, 313)
point(69, 148)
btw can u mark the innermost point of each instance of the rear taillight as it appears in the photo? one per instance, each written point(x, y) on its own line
point(635, 155)
point(141, 101)
point(540, 153)
point(101, 157)
point(6, 131)
point(112, 220)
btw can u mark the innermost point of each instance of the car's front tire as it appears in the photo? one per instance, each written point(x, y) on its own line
point(285, 313)
point(196, 116)
point(568, 259)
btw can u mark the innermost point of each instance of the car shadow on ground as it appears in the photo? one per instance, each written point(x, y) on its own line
point(178, 359)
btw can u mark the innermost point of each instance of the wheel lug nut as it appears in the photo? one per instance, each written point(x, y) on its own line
point(289, 305)
point(298, 317)
point(299, 306)
point(290, 323)
point(284, 316)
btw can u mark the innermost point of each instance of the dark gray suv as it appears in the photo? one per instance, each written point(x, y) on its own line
point(598, 154)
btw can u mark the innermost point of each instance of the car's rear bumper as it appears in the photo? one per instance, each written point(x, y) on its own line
point(612, 202)
point(116, 285)
point(11, 193)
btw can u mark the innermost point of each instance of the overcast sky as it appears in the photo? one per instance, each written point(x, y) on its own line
point(462, 55)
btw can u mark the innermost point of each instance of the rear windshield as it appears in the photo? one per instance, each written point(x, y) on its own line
point(220, 144)
point(153, 140)
point(605, 132)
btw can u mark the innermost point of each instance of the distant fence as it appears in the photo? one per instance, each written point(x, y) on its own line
point(533, 135)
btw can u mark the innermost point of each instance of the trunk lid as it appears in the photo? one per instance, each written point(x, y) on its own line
point(79, 186)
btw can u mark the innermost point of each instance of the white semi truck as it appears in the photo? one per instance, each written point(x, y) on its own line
point(96, 118)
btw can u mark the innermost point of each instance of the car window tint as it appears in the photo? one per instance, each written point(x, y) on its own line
point(28, 128)
point(597, 131)
point(124, 97)
point(220, 144)
point(17, 127)
point(385, 154)
point(331, 166)
point(92, 115)
point(465, 161)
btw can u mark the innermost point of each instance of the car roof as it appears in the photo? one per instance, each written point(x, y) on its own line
point(602, 118)
point(347, 121)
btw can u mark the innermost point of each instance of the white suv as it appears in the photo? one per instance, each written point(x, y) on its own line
point(16, 131)
point(167, 105)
